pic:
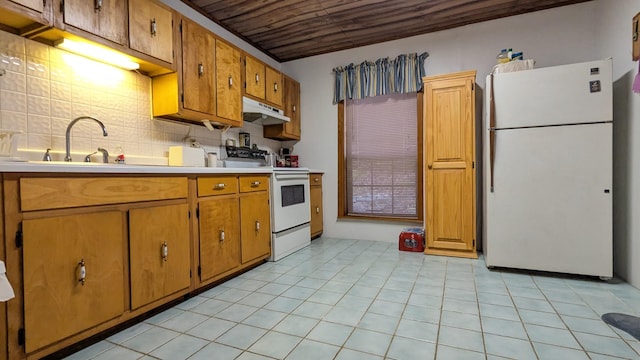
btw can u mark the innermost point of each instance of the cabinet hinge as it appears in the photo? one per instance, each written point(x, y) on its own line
point(182, 97)
point(197, 213)
point(472, 86)
point(199, 271)
point(62, 6)
point(473, 164)
point(189, 214)
point(181, 27)
point(474, 243)
point(19, 239)
point(21, 337)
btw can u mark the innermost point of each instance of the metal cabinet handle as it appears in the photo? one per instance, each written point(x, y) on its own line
point(221, 235)
point(275, 87)
point(165, 251)
point(154, 27)
point(257, 78)
point(230, 81)
point(219, 186)
point(294, 108)
point(97, 4)
point(82, 272)
point(257, 225)
point(316, 179)
point(255, 183)
point(317, 210)
point(200, 69)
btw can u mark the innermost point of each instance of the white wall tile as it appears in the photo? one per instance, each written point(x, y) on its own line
point(38, 124)
point(39, 141)
point(61, 109)
point(13, 101)
point(14, 120)
point(60, 90)
point(12, 61)
point(37, 67)
point(13, 81)
point(39, 105)
point(11, 42)
point(37, 50)
point(38, 86)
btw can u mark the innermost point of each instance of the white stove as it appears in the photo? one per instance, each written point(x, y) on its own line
point(290, 207)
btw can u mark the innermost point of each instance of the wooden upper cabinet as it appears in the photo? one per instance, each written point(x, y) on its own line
point(291, 104)
point(151, 29)
point(104, 18)
point(273, 90)
point(26, 16)
point(254, 71)
point(73, 275)
point(198, 68)
point(228, 83)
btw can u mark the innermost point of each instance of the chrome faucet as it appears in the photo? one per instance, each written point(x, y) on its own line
point(68, 134)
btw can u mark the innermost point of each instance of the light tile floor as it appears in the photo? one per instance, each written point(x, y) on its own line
point(347, 299)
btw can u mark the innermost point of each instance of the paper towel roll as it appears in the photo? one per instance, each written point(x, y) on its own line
point(6, 291)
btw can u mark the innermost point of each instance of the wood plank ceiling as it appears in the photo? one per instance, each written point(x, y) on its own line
point(293, 29)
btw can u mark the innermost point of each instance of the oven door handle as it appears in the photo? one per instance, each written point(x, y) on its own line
point(291, 176)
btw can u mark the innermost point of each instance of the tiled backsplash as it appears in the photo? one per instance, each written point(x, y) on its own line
point(44, 88)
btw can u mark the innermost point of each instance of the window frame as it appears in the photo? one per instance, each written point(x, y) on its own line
point(343, 212)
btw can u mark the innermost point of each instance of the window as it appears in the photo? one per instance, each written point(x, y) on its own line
point(380, 157)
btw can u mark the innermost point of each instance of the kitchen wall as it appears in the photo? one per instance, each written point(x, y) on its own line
point(581, 32)
point(44, 88)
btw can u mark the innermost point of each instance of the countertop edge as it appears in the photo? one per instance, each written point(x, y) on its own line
point(25, 167)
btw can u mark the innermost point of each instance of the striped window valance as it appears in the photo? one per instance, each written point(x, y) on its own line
point(384, 76)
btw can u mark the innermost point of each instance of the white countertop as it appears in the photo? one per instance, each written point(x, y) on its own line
point(98, 168)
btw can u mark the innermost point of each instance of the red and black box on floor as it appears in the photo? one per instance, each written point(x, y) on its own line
point(411, 239)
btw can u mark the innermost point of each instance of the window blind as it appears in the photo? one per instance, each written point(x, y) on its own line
point(382, 155)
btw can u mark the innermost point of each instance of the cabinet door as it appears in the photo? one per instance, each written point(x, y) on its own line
point(57, 303)
point(449, 139)
point(255, 225)
point(104, 18)
point(229, 91)
point(151, 29)
point(37, 5)
point(273, 90)
point(292, 108)
point(219, 227)
point(198, 68)
point(159, 252)
point(254, 72)
point(316, 210)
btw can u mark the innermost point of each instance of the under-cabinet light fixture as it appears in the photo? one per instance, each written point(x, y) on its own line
point(98, 53)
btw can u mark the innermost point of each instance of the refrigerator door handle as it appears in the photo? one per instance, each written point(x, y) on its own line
point(492, 132)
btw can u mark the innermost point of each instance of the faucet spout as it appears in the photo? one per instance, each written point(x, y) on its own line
point(68, 133)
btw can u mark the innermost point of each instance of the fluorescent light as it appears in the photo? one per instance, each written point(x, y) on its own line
point(97, 53)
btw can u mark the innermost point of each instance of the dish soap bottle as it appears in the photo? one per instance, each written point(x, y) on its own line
point(119, 155)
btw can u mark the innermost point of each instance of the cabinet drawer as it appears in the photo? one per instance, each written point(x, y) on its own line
point(254, 183)
point(58, 193)
point(219, 185)
point(315, 179)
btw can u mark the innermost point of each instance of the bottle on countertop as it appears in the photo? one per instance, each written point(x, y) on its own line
point(502, 56)
point(119, 155)
point(510, 54)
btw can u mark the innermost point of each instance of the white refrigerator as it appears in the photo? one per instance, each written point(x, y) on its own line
point(548, 169)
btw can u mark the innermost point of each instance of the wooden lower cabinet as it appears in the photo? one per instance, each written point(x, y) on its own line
point(449, 138)
point(256, 225)
point(255, 217)
point(73, 275)
point(219, 227)
point(315, 181)
point(159, 252)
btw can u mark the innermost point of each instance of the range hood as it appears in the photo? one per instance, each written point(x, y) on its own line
point(261, 113)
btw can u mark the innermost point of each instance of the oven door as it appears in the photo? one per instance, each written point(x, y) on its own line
point(290, 202)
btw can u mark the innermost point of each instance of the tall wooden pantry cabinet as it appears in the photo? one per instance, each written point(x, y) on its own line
point(449, 166)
